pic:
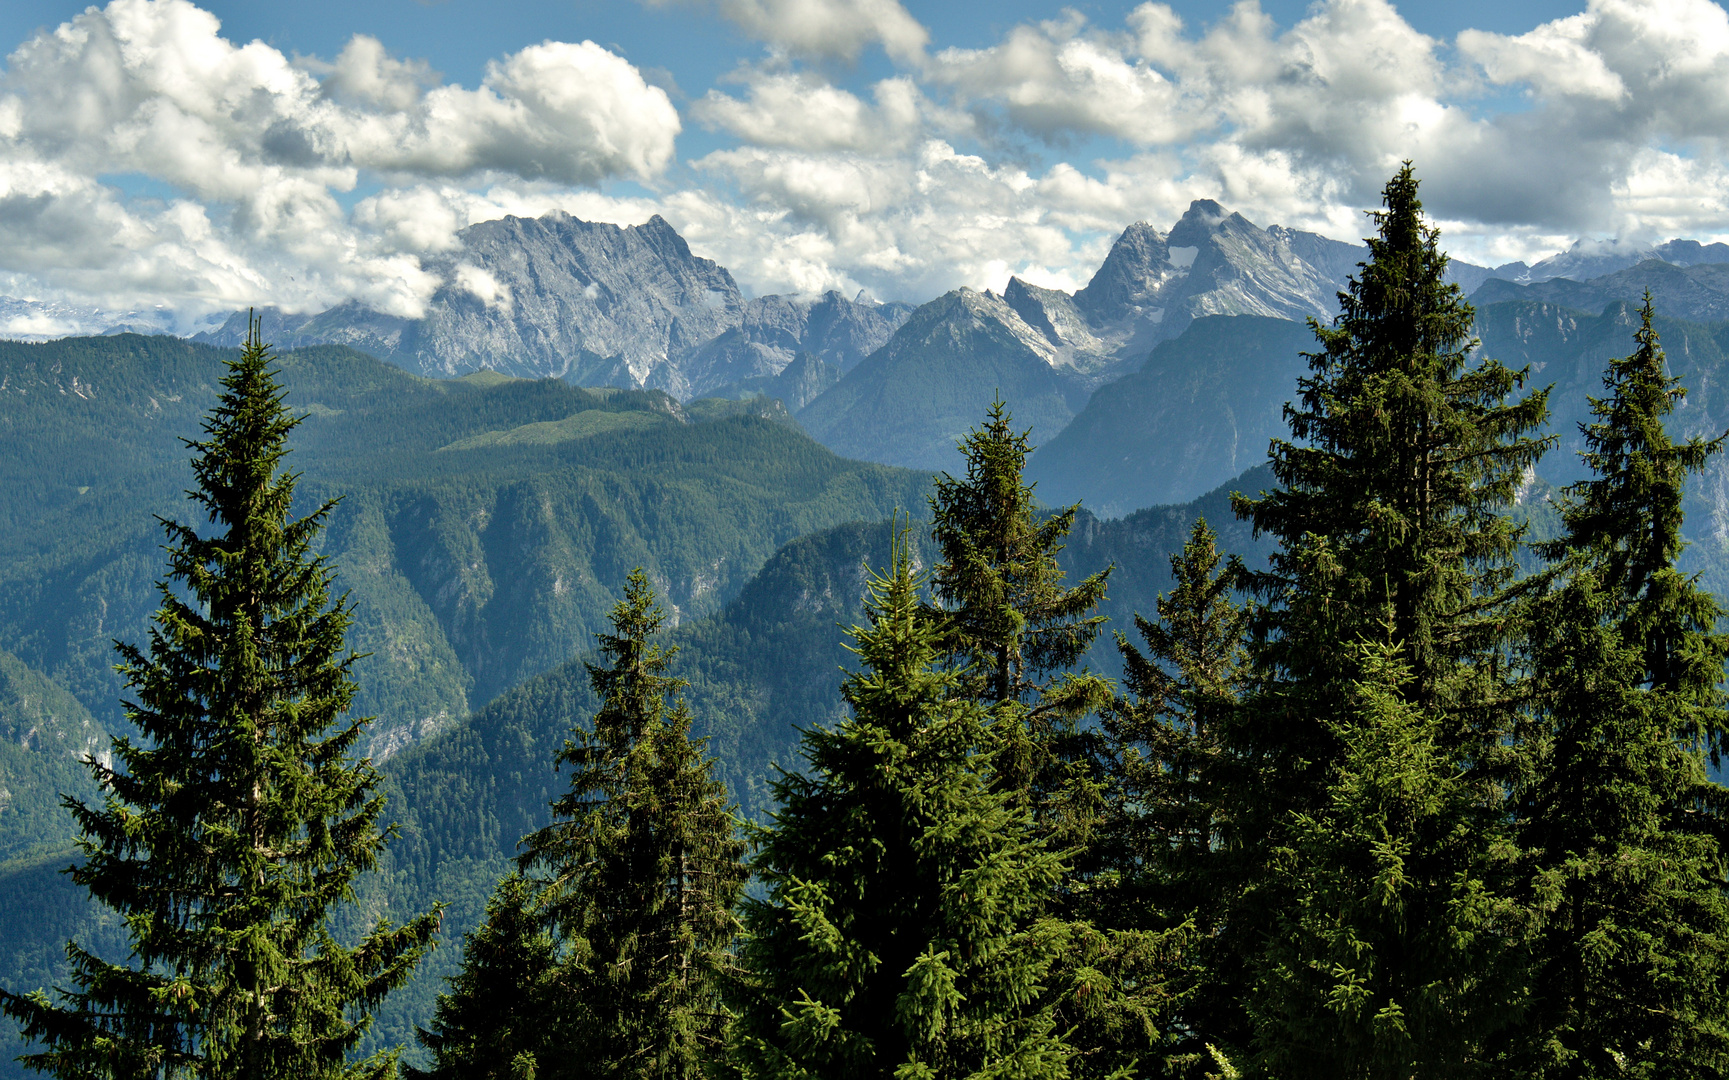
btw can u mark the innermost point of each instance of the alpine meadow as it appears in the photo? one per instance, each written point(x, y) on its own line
point(864, 539)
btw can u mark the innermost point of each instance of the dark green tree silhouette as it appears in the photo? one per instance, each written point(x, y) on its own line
point(239, 820)
point(1406, 451)
point(1621, 821)
point(640, 869)
point(1010, 616)
point(1162, 836)
point(903, 933)
point(1391, 959)
point(506, 1011)
point(1014, 628)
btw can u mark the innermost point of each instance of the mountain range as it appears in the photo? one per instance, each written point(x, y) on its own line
point(748, 453)
point(593, 304)
point(601, 304)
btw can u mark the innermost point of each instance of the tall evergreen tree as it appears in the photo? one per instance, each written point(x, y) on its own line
point(1165, 760)
point(1390, 519)
point(1391, 498)
point(640, 869)
point(1010, 616)
point(506, 1011)
point(1013, 626)
point(902, 933)
point(1165, 734)
point(1625, 829)
point(1391, 958)
point(233, 827)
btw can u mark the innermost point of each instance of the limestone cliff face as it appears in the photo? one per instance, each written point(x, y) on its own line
point(554, 295)
point(775, 330)
point(596, 304)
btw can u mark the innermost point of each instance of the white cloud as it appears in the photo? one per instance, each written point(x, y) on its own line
point(832, 29)
point(796, 109)
point(1555, 59)
point(480, 283)
point(257, 148)
point(957, 170)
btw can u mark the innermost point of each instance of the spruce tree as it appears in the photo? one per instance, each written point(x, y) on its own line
point(1391, 959)
point(1162, 835)
point(1013, 626)
point(239, 819)
point(505, 1011)
point(1165, 736)
point(1010, 616)
point(1390, 518)
point(902, 933)
point(1631, 973)
point(640, 869)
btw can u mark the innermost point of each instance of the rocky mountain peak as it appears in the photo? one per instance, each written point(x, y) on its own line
point(1138, 265)
point(1205, 221)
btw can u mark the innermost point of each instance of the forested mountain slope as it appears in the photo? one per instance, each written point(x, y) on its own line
point(765, 666)
point(1204, 406)
point(483, 526)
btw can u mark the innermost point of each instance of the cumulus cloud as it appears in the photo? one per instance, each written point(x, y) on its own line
point(257, 146)
point(958, 169)
point(795, 109)
point(832, 29)
point(1057, 78)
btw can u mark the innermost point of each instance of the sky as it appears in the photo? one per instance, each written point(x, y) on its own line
point(199, 157)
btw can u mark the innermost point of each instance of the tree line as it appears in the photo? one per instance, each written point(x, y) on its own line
point(1390, 807)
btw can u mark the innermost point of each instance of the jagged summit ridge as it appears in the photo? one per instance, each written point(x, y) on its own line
point(593, 303)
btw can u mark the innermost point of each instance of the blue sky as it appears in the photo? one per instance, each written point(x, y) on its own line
point(202, 156)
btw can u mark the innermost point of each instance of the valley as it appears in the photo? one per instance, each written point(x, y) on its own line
point(585, 399)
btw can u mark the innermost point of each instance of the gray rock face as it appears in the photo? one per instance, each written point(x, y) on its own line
point(910, 401)
point(797, 385)
point(1697, 293)
point(777, 329)
point(595, 304)
point(1151, 286)
point(554, 295)
point(1046, 351)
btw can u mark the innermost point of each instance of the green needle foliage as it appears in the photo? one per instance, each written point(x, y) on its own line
point(505, 1012)
point(1010, 616)
point(902, 934)
point(1390, 501)
point(1392, 959)
point(1391, 524)
point(1162, 832)
point(1632, 970)
point(1013, 625)
point(230, 831)
point(640, 870)
point(1165, 737)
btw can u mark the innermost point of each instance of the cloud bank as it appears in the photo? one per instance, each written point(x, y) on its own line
point(256, 148)
point(144, 157)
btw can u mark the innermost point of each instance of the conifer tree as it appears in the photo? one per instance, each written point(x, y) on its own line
point(640, 869)
point(1013, 625)
point(230, 830)
point(902, 934)
point(1389, 506)
point(1010, 616)
point(505, 1011)
point(1162, 833)
point(1392, 958)
point(1625, 829)
point(1166, 735)
point(1389, 514)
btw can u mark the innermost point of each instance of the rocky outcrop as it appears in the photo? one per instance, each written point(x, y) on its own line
point(592, 303)
point(1045, 350)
